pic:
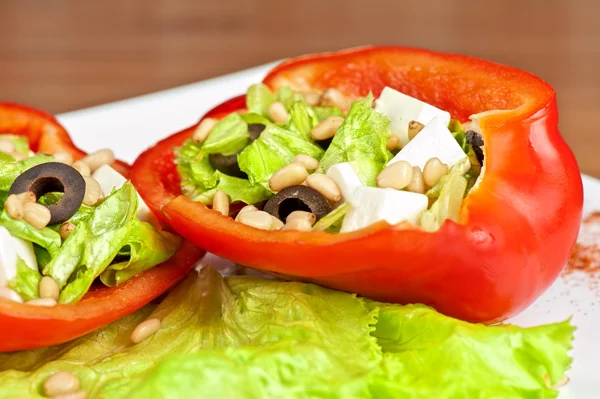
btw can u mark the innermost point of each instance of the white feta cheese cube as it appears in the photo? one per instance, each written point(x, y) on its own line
point(372, 204)
point(109, 180)
point(345, 177)
point(434, 141)
point(401, 109)
point(12, 248)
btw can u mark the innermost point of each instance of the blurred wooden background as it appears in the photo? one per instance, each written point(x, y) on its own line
point(62, 55)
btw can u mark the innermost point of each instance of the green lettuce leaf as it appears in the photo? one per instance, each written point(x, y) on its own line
point(332, 222)
point(247, 337)
point(145, 247)
point(326, 112)
point(10, 169)
point(229, 136)
point(21, 143)
point(258, 99)
point(26, 282)
point(361, 139)
point(275, 148)
point(200, 181)
point(302, 120)
point(46, 237)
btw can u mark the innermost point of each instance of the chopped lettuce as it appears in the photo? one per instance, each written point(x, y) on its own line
point(229, 136)
point(46, 237)
point(26, 282)
point(200, 181)
point(275, 148)
point(247, 337)
point(302, 119)
point(10, 169)
point(332, 222)
point(288, 97)
point(326, 112)
point(258, 99)
point(361, 139)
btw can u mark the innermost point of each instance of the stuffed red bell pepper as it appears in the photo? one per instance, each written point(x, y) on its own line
point(399, 174)
point(77, 247)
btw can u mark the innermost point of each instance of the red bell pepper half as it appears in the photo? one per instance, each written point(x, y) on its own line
point(26, 326)
point(517, 228)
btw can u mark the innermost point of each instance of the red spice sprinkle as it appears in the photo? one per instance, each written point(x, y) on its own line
point(586, 255)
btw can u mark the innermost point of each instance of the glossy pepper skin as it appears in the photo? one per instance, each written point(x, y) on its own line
point(27, 326)
point(517, 228)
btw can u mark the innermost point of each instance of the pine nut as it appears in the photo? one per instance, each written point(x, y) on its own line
point(257, 219)
point(9, 294)
point(203, 130)
point(289, 175)
point(221, 202)
point(82, 168)
point(37, 215)
point(416, 184)
point(335, 98)
point(48, 288)
point(27, 197)
point(247, 208)
point(414, 127)
point(278, 113)
point(276, 224)
point(398, 175)
point(312, 98)
point(325, 185)
point(144, 330)
point(7, 146)
point(71, 395)
point(326, 128)
point(298, 224)
point(14, 207)
point(63, 157)
point(93, 191)
point(65, 230)
point(307, 161)
point(393, 143)
point(61, 382)
point(42, 302)
point(310, 217)
point(99, 158)
point(433, 170)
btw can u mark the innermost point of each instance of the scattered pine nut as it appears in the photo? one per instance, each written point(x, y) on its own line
point(65, 230)
point(7, 146)
point(311, 217)
point(63, 157)
point(335, 98)
point(312, 98)
point(290, 175)
point(247, 208)
point(221, 202)
point(307, 161)
point(393, 143)
point(14, 207)
point(48, 288)
point(60, 383)
point(82, 168)
point(398, 175)
point(27, 197)
point(93, 191)
point(203, 130)
point(278, 113)
point(414, 128)
point(276, 223)
point(9, 294)
point(99, 158)
point(37, 215)
point(298, 224)
point(433, 170)
point(326, 128)
point(257, 219)
point(144, 330)
point(42, 302)
point(324, 185)
point(417, 185)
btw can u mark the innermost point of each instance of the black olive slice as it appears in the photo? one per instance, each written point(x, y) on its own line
point(297, 198)
point(53, 177)
point(324, 144)
point(476, 142)
point(227, 164)
point(255, 129)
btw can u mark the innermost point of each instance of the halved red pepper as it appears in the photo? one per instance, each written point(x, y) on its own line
point(26, 326)
point(516, 229)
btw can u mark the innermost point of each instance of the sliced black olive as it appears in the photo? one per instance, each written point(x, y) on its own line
point(53, 177)
point(324, 144)
point(227, 164)
point(476, 142)
point(255, 129)
point(297, 198)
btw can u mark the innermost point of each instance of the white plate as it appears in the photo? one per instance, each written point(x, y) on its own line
point(129, 126)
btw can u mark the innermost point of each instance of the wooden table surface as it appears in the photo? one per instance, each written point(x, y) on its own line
point(62, 55)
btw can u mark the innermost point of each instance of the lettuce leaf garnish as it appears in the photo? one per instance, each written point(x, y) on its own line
point(248, 337)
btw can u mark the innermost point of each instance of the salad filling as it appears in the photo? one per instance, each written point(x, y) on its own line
point(65, 225)
point(345, 164)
